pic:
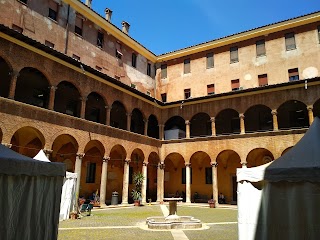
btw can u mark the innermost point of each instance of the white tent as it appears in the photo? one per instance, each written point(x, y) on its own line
point(249, 198)
point(68, 195)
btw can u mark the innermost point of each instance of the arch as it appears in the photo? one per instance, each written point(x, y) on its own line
point(32, 88)
point(27, 141)
point(258, 118)
point(227, 122)
point(201, 175)
point(228, 161)
point(259, 156)
point(95, 108)
point(174, 179)
point(316, 108)
point(137, 122)
point(286, 150)
point(5, 76)
point(175, 128)
point(292, 114)
point(64, 148)
point(200, 125)
point(153, 127)
point(118, 116)
point(67, 99)
point(153, 161)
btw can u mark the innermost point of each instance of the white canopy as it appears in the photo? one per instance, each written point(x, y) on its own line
point(68, 197)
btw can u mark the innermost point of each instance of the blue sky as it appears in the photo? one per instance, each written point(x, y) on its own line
point(168, 25)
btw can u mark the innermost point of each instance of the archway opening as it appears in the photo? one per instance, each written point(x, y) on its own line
point(153, 127)
point(95, 108)
point(137, 123)
point(118, 116)
point(5, 75)
point(152, 178)
point(200, 125)
point(227, 122)
point(175, 128)
point(293, 114)
point(259, 156)
point(258, 118)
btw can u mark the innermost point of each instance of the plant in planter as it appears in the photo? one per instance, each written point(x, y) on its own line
point(137, 180)
point(212, 203)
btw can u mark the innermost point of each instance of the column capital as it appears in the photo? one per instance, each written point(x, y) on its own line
point(145, 120)
point(80, 155)
point(14, 73)
point(274, 112)
point(129, 114)
point(241, 115)
point(127, 161)
point(53, 88)
point(187, 164)
point(47, 151)
point(105, 159)
point(83, 99)
point(162, 165)
point(187, 122)
point(145, 164)
point(310, 107)
point(214, 164)
point(212, 119)
point(244, 164)
point(8, 145)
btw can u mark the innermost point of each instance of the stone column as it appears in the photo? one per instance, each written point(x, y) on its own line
point(108, 117)
point(8, 145)
point(161, 131)
point(310, 114)
point(13, 84)
point(160, 182)
point(47, 152)
point(145, 127)
point(51, 97)
point(144, 183)
point(129, 121)
point(79, 157)
point(215, 182)
point(83, 107)
point(125, 187)
point(188, 185)
point(103, 184)
point(275, 120)
point(187, 129)
point(213, 126)
point(244, 164)
point(242, 125)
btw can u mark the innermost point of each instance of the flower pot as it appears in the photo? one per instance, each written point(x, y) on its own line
point(73, 215)
point(212, 205)
point(136, 203)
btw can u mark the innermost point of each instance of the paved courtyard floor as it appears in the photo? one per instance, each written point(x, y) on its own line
point(129, 222)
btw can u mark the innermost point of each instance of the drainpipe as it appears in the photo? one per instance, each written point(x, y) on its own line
point(67, 31)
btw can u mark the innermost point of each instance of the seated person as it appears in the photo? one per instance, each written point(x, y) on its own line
point(221, 199)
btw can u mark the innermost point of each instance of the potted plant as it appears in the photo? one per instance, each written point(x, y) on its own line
point(212, 203)
point(137, 180)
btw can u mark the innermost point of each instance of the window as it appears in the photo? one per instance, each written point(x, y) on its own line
point(149, 69)
point(290, 41)
point(49, 44)
point(164, 97)
point(53, 10)
point(118, 50)
point(319, 33)
point(293, 74)
point(187, 93)
point(261, 48)
point(183, 176)
point(100, 39)
point(17, 28)
point(186, 66)
point(210, 89)
point(76, 57)
point(235, 84)
point(208, 175)
point(164, 71)
point(210, 62)
point(234, 55)
point(78, 25)
point(98, 68)
point(263, 80)
point(134, 60)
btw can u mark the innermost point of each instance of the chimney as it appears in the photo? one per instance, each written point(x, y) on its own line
point(88, 3)
point(125, 27)
point(108, 14)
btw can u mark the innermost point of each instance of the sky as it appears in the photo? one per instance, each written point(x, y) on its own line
point(169, 25)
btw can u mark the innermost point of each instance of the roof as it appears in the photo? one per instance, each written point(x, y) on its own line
point(300, 163)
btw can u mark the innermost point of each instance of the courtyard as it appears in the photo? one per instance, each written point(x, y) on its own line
point(129, 222)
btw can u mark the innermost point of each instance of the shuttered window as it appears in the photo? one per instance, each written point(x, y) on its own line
point(53, 10)
point(134, 60)
point(235, 84)
point(290, 41)
point(186, 68)
point(164, 71)
point(234, 55)
point(78, 25)
point(293, 74)
point(149, 69)
point(210, 89)
point(261, 48)
point(100, 39)
point(187, 93)
point(210, 62)
point(164, 97)
point(263, 80)
point(118, 50)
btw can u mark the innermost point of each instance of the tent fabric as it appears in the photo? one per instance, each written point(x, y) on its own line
point(41, 156)
point(254, 174)
point(13, 163)
point(30, 193)
point(300, 163)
